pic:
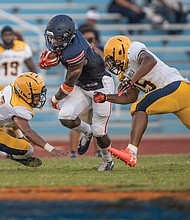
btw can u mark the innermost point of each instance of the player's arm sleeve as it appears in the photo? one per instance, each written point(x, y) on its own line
point(23, 112)
point(136, 50)
point(76, 59)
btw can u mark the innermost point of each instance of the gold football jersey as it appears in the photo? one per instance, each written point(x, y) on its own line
point(160, 76)
point(12, 105)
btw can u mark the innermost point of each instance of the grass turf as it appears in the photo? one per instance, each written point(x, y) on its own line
point(165, 172)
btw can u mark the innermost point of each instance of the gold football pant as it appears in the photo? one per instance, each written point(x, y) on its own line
point(173, 98)
point(13, 146)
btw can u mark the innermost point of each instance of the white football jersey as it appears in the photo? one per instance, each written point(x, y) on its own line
point(159, 76)
point(11, 105)
point(12, 61)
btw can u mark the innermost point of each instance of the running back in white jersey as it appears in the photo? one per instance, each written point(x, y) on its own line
point(12, 61)
point(11, 105)
point(159, 76)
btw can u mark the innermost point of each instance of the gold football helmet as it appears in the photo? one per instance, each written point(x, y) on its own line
point(116, 54)
point(31, 88)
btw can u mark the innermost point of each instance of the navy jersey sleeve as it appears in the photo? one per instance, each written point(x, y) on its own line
point(74, 53)
point(78, 58)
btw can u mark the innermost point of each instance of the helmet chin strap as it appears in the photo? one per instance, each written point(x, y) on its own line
point(125, 65)
point(121, 76)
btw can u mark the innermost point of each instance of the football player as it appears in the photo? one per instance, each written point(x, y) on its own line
point(13, 55)
point(17, 101)
point(166, 91)
point(85, 74)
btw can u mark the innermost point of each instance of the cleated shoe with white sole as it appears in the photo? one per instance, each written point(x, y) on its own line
point(106, 165)
point(124, 155)
point(84, 143)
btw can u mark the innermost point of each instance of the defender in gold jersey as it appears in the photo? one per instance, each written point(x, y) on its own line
point(166, 91)
point(14, 55)
point(16, 110)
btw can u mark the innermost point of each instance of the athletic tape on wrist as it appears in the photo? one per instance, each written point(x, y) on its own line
point(48, 147)
point(66, 89)
point(53, 99)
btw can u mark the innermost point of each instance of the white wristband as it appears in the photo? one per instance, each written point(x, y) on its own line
point(54, 99)
point(48, 147)
point(19, 133)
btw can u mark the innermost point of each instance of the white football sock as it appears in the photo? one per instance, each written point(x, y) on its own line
point(84, 128)
point(106, 154)
point(133, 149)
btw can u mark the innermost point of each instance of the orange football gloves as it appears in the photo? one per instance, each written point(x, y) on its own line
point(48, 59)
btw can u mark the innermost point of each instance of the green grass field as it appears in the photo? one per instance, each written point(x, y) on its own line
point(166, 172)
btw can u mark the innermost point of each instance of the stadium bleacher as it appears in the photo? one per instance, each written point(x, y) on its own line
point(31, 17)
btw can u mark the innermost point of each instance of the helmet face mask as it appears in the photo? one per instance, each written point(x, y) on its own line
point(59, 32)
point(38, 100)
point(31, 88)
point(115, 67)
point(55, 44)
point(116, 54)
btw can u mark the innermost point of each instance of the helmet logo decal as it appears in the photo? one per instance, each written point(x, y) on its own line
point(123, 49)
point(114, 52)
point(49, 33)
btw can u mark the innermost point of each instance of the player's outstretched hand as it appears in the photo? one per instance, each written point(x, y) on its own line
point(99, 97)
point(59, 153)
point(126, 84)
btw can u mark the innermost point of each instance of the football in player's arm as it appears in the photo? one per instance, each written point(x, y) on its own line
point(85, 72)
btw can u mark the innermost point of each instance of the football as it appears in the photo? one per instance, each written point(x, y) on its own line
point(52, 55)
point(48, 59)
point(52, 58)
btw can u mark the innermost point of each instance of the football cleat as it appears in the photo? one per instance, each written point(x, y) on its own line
point(106, 165)
point(29, 162)
point(84, 143)
point(124, 155)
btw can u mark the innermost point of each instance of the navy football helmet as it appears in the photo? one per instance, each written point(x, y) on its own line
point(59, 32)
